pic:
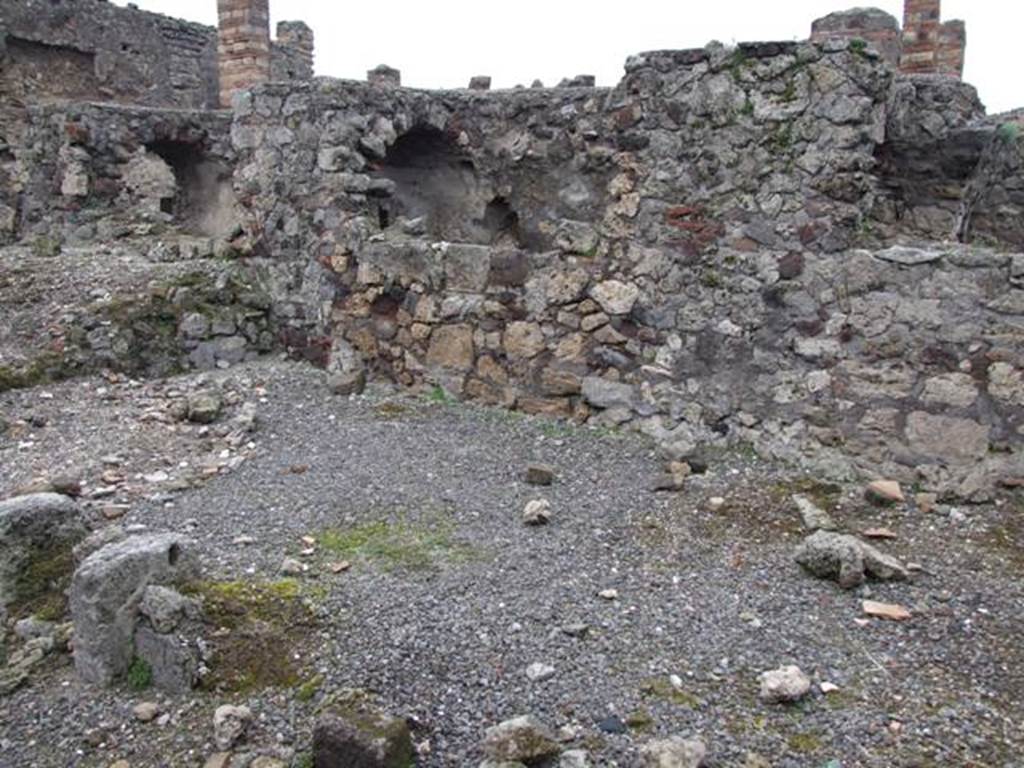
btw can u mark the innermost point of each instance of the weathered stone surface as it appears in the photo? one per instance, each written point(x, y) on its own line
point(451, 347)
point(523, 340)
point(361, 737)
point(947, 439)
point(607, 394)
point(954, 389)
point(106, 594)
point(674, 752)
point(615, 297)
point(813, 516)
point(37, 535)
point(229, 725)
point(1006, 383)
point(523, 739)
point(847, 560)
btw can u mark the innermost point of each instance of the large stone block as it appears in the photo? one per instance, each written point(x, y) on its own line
point(359, 736)
point(106, 594)
point(945, 439)
point(37, 535)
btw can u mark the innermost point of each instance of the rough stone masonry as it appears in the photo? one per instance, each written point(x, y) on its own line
point(811, 247)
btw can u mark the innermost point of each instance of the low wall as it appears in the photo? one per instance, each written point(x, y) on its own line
point(691, 253)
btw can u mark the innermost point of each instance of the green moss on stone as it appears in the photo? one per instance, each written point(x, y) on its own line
point(257, 630)
point(140, 675)
point(41, 584)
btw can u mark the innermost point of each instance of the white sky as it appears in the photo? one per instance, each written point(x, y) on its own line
point(442, 43)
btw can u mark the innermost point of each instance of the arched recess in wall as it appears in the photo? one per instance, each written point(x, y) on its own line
point(203, 200)
point(435, 180)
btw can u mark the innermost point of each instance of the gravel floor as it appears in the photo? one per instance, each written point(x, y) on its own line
point(443, 619)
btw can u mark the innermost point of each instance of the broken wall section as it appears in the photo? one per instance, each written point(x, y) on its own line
point(91, 50)
point(684, 258)
point(107, 171)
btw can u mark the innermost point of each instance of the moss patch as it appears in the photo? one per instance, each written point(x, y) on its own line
point(397, 545)
point(41, 584)
point(657, 688)
point(804, 743)
point(257, 630)
point(140, 675)
point(824, 495)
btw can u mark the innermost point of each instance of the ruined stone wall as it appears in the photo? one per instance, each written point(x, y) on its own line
point(875, 27)
point(93, 170)
point(92, 50)
point(679, 254)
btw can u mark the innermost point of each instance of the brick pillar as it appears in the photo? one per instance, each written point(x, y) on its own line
point(243, 53)
point(929, 45)
point(298, 37)
point(922, 20)
point(952, 47)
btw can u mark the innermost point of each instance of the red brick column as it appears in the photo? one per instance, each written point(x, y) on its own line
point(921, 22)
point(244, 50)
point(929, 45)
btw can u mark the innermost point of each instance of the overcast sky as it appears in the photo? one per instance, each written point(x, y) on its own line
point(442, 43)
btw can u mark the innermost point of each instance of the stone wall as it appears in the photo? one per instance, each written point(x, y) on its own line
point(871, 25)
point(97, 51)
point(93, 170)
point(690, 253)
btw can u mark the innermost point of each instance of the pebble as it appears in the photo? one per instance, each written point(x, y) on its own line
point(292, 567)
point(146, 712)
point(539, 474)
point(609, 594)
point(539, 672)
point(783, 685)
point(537, 512)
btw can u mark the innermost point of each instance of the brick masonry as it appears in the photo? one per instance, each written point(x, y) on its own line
point(929, 45)
point(243, 53)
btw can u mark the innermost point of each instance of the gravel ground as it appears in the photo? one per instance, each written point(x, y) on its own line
point(450, 598)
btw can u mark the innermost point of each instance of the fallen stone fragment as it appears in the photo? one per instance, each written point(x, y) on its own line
point(783, 685)
point(847, 559)
point(926, 502)
point(37, 535)
point(537, 512)
point(347, 383)
point(204, 407)
point(884, 492)
point(292, 567)
point(716, 502)
point(674, 752)
point(888, 611)
point(229, 725)
point(146, 712)
point(539, 672)
point(814, 517)
point(218, 760)
point(828, 688)
point(880, 533)
point(539, 474)
point(360, 736)
point(340, 567)
point(608, 594)
point(524, 739)
point(574, 758)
